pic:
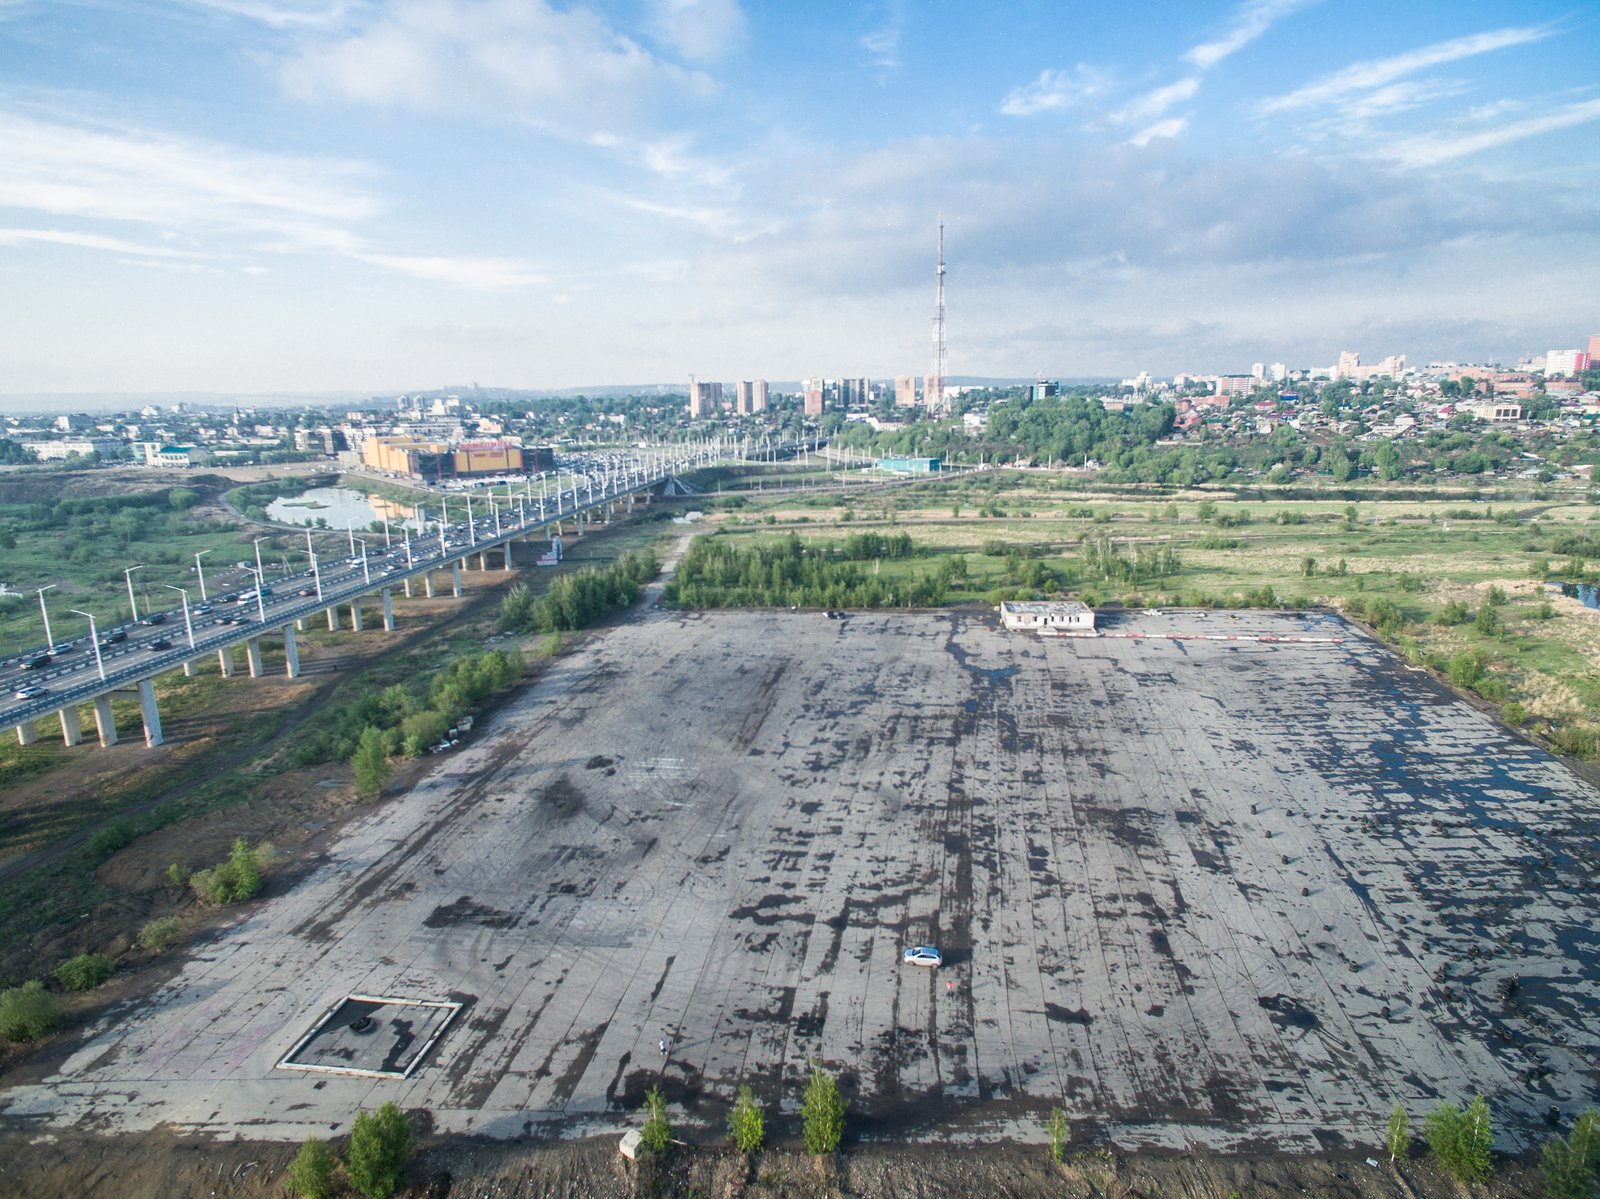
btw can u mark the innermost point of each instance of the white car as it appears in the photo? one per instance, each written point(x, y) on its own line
point(923, 955)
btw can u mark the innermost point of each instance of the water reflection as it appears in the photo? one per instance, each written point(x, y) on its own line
point(340, 507)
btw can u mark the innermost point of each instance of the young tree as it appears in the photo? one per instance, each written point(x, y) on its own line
point(1056, 1127)
point(657, 1132)
point(311, 1175)
point(823, 1112)
point(746, 1125)
point(381, 1143)
point(1398, 1139)
point(371, 762)
point(1462, 1140)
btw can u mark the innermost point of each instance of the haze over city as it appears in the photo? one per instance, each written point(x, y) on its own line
point(242, 196)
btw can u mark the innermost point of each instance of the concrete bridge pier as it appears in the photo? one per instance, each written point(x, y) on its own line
point(225, 660)
point(507, 548)
point(388, 611)
point(427, 583)
point(333, 619)
point(355, 613)
point(408, 586)
point(455, 581)
point(483, 561)
point(104, 722)
point(300, 624)
point(190, 669)
point(291, 651)
point(147, 709)
point(252, 651)
point(27, 733)
point(71, 729)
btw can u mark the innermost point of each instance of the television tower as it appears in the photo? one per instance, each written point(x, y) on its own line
point(933, 389)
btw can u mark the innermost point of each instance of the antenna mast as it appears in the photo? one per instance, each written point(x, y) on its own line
point(933, 390)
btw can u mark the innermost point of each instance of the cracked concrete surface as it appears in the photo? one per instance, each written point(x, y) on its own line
point(1240, 893)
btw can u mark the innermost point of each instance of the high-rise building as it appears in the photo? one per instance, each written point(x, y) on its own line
point(853, 393)
point(1280, 372)
point(1594, 349)
point(1565, 362)
point(813, 398)
point(1349, 365)
point(933, 390)
point(1259, 370)
point(745, 404)
point(905, 391)
point(704, 398)
point(758, 396)
point(1043, 390)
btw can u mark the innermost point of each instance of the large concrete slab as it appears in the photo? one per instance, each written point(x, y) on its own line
point(1191, 890)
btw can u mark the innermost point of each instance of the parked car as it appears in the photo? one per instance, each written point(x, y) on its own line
point(923, 955)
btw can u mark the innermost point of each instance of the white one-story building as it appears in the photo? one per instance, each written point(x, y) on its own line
point(1036, 617)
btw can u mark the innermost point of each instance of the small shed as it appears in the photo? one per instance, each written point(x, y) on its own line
point(1037, 616)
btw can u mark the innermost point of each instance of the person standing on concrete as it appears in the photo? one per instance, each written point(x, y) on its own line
point(663, 1048)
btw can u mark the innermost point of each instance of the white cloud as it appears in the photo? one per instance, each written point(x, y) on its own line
point(1160, 129)
point(133, 175)
point(700, 29)
point(1250, 22)
point(209, 195)
point(566, 71)
point(1153, 104)
point(1374, 73)
point(85, 241)
point(1426, 151)
point(1054, 91)
point(277, 17)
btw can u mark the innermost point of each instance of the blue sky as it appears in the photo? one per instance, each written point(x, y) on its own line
point(316, 195)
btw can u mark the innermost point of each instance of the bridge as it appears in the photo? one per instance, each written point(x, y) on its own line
point(131, 657)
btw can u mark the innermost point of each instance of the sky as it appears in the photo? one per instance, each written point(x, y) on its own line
point(342, 195)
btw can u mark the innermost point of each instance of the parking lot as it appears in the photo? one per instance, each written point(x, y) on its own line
point(1188, 890)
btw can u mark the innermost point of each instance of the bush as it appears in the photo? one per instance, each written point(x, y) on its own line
point(1514, 713)
point(823, 1112)
point(105, 842)
point(423, 729)
point(993, 548)
point(84, 972)
point(1487, 619)
point(311, 1175)
point(28, 1012)
point(1492, 689)
point(178, 874)
point(232, 881)
point(1452, 613)
point(1461, 1140)
point(1465, 669)
point(160, 933)
point(381, 1144)
point(657, 1131)
point(371, 762)
point(746, 1125)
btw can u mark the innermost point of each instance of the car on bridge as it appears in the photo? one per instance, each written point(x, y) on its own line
point(113, 637)
point(31, 692)
point(155, 647)
point(38, 662)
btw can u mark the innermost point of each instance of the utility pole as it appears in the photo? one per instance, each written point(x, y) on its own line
point(936, 379)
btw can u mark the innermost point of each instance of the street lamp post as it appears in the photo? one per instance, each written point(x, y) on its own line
point(199, 571)
point(128, 575)
point(316, 573)
point(187, 623)
point(49, 640)
point(472, 529)
point(94, 638)
point(365, 573)
point(350, 528)
point(261, 581)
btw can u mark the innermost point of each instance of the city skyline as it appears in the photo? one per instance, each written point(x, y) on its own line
point(215, 196)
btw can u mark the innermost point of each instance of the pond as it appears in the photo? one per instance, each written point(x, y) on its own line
point(340, 507)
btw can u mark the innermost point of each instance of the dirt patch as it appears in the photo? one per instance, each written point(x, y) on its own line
point(159, 1165)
